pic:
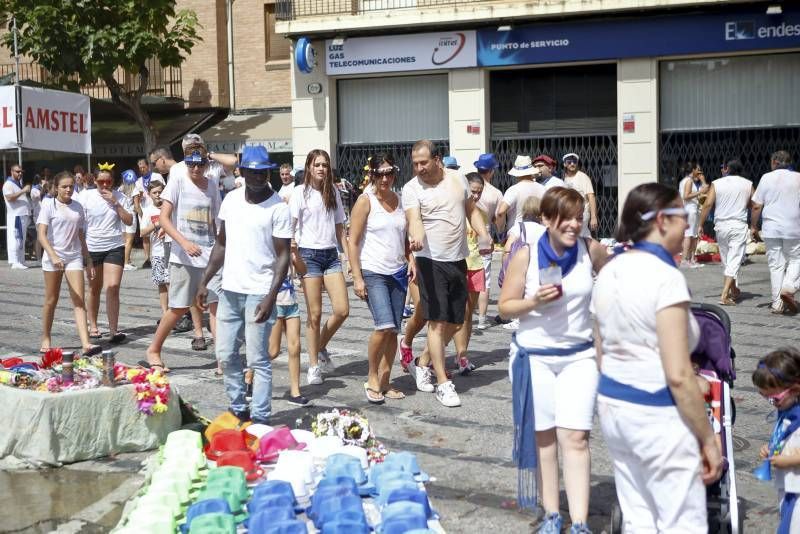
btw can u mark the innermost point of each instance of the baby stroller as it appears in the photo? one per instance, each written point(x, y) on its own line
point(715, 358)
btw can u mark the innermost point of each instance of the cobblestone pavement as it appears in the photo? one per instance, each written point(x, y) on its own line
point(466, 450)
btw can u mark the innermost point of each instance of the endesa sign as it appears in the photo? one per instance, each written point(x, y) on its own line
point(51, 120)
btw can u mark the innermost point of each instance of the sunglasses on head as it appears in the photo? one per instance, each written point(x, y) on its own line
point(201, 163)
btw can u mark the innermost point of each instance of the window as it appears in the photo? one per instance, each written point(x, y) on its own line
point(277, 46)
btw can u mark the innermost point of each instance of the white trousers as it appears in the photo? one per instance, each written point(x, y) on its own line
point(15, 246)
point(732, 240)
point(783, 258)
point(656, 469)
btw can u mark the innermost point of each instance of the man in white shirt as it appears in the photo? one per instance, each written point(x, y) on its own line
point(777, 201)
point(437, 204)
point(254, 237)
point(729, 197)
point(488, 204)
point(547, 167)
point(510, 208)
point(580, 182)
point(18, 217)
point(287, 182)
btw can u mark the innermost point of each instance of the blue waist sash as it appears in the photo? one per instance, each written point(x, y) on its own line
point(617, 390)
point(566, 351)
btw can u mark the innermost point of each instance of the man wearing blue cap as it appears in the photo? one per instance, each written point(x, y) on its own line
point(488, 204)
point(253, 242)
point(450, 162)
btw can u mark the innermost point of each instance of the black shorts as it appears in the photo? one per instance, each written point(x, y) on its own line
point(442, 289)
point(115, 256)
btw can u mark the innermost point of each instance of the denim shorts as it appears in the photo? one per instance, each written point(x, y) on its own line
point(287, 311)
point(320, 262)
point(385, 299)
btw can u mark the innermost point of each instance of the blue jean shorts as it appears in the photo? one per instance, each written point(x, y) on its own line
point(320, 262)
point(385, 298)
point(287, 311)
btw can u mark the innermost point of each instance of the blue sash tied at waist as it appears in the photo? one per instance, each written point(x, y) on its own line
point(612, 389)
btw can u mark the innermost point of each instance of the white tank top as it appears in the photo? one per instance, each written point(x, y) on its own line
point(384, 245)
point(691, 205)
point(732, 198)
point(565, 322)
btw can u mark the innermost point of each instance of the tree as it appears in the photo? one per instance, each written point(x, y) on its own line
point(82, 41)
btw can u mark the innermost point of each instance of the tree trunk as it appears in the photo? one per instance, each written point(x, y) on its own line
point(131, 105)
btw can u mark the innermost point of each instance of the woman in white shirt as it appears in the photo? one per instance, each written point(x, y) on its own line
point(378, 257)
point(105, 217)
point(60, 228)
point(548, 285)
point(693, 187)
point(318, 220)
point(650, 406)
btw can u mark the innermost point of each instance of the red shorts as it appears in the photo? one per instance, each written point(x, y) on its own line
point(476, 281)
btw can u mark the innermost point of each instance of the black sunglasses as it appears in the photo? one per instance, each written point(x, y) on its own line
point(201, 163)
point(383, 172)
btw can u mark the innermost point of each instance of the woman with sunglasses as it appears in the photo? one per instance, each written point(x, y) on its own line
point(106, 216)
point(318, 219)
point(60, 228)
point(379, 256)
point(651, 410)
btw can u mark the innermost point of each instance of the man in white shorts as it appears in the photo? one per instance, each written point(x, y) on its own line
point(776, 201)
point(488, 203)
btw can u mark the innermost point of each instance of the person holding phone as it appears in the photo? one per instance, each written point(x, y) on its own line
point(548, 285)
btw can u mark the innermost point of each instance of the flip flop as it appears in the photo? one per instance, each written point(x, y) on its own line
point(727, 302)
point(372, 400)
point(148, 365)
point(117, 338)
point(393, 394)
point(92, 351)
point(98, 335)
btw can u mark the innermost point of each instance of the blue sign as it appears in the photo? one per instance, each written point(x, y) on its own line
point(304, 55)
point(642, 37)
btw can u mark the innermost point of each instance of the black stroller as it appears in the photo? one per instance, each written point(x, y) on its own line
point(714, 356)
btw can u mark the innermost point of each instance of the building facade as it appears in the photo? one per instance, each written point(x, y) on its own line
point(635, 88)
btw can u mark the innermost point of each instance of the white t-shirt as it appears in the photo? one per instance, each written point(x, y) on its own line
point(194, 214)
point(553, 181)
point(630, 290)
point(103, 225)
point(779, 193)
point(150, 215)
point(36, 201)
point(490, 199)
point(286, 191)
point(732, 195)
point(443, 211)
point(315, 225)
point(516, 195)
point(64, 223)
point(583, 185)
point(249, 251)
point(141, 189)
point(788, 480)
point(533, 231)
point(20, 206)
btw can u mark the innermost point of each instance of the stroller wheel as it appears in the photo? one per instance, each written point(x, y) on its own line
point(616, 519)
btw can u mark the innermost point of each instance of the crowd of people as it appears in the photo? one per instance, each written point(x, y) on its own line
point(595, 331)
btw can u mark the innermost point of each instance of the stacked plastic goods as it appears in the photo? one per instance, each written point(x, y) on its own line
point(279, 481)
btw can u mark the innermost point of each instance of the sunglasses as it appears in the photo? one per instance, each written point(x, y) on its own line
point(103, 182)
point(201, 163)
point(776, 399)
point(383, 172)
point(571, 161)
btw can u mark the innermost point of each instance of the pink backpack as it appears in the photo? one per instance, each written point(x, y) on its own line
point(515, 246)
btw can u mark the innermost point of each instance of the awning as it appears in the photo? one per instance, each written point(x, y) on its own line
point(271, 129)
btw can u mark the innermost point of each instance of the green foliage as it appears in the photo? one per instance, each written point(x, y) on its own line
point(82, 41)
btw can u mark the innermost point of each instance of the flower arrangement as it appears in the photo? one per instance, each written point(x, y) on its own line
point(352, 428)
point(152, 389)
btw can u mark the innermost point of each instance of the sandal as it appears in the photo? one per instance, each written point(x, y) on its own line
point(148, 365)
point(96, 335)
point(199, 343)
point(373, 396)
point(117, 338)
point(394, 394)
point(727, 302)
point(92, 351)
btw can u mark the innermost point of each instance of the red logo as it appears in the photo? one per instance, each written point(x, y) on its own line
point(455, 43)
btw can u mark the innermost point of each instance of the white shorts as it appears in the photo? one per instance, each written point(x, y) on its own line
point(130, 229)
point(564, 389)
point(74, 264)
point(656, 468)
point(693, 221)
point(487, 270)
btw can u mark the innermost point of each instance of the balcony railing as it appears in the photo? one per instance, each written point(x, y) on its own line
point(292, 9)
point(164, 81)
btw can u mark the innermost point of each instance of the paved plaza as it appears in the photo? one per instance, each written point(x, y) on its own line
point(466, 450)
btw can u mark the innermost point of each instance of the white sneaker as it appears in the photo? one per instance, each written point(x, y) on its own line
point(19, 266)
point(422, 377)
point(513, 325)
point(314, 376)
point(325, 362)
point(446, 394)
point(129, 267)
point(482, 324)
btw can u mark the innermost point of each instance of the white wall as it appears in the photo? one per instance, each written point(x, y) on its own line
point(313, 116)
point(468, 97)
point(637, 95)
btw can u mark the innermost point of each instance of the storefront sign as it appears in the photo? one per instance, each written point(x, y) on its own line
point(396, 53)
point(235, 146)
point(640, 37)
point(51, 120)
point(133, 150)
